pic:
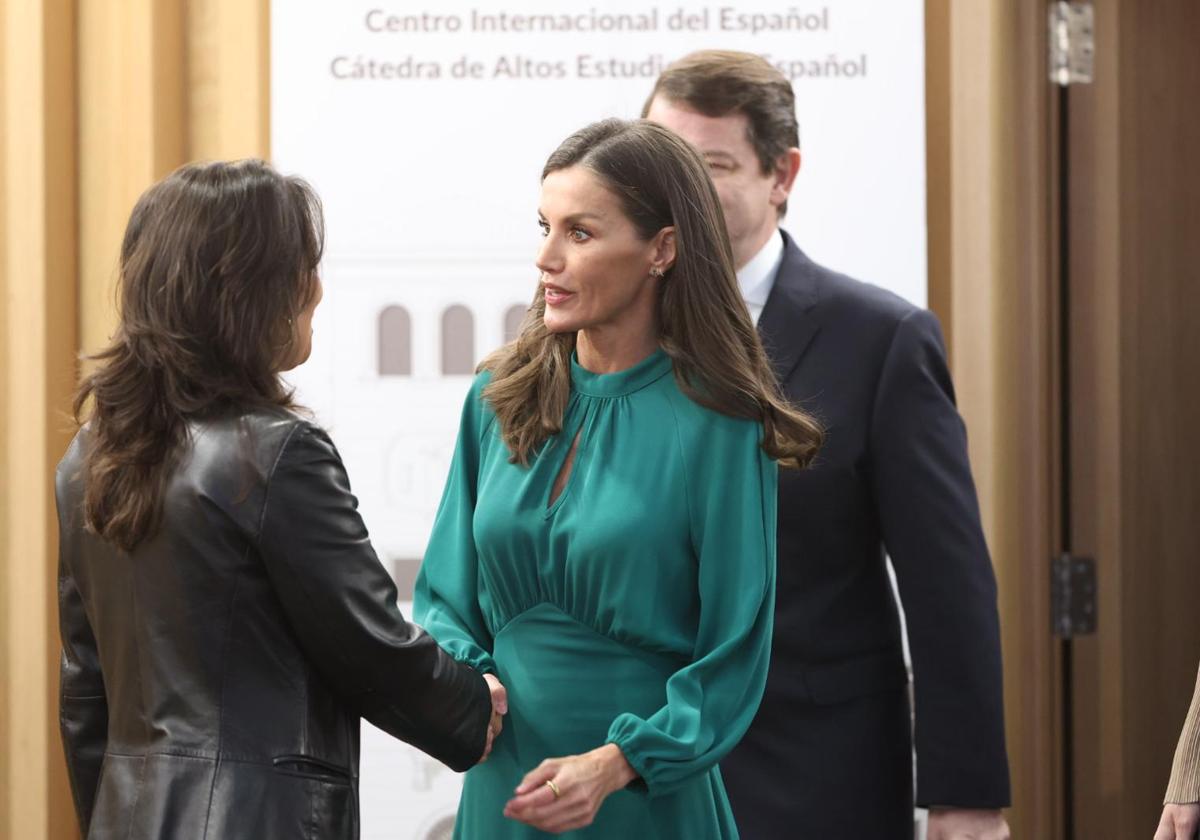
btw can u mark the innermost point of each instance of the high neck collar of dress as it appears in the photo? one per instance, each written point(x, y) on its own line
point(623, 382)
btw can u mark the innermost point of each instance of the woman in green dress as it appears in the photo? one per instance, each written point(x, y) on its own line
point(605, 545)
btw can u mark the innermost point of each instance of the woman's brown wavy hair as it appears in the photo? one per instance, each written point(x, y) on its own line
point(217, 261)
point(703, 324)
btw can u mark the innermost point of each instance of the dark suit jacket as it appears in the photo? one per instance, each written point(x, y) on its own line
point(833, 731)
point(213, 678)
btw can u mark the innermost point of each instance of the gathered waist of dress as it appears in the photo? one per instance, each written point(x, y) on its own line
point(567, 683)
point(555, 633)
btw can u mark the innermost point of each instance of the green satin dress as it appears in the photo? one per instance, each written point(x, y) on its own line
point(635, 608)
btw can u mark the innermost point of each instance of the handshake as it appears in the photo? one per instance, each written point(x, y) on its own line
point(499, 710)
point(562, 793)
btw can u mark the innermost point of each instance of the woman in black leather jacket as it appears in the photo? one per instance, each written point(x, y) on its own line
point(225, 621)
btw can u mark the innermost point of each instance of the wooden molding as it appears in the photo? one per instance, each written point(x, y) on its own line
point(38, 358)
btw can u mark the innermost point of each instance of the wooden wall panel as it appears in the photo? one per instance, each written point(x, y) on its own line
point(132, 105)
point(990, 282)
point(38, 357)
point(228, 79)
point(189, 81)
point(97, 101)
point(6, 620)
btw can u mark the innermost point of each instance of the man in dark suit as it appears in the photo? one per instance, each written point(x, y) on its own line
point(829, 754)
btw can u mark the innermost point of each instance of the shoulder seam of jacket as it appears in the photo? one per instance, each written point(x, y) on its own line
point(262, 514)
point(899, 327)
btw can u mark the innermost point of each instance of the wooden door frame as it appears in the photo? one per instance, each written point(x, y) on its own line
point(992, 211)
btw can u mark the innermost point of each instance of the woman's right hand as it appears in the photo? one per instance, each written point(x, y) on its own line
point(1179, 822)
point(499, 710)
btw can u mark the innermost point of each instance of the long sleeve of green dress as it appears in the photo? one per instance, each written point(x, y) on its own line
point(633, 608)
point(733, 534)
point(446, 588)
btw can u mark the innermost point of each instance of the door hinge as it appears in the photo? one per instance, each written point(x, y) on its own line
point(1072, 43)
point(1073, 596)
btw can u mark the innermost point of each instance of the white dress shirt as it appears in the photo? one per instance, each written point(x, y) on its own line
point(757, 277)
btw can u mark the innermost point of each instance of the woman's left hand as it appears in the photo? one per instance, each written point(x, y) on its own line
point(562, 794)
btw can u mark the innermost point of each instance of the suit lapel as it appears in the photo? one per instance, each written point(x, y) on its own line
point(788, 321)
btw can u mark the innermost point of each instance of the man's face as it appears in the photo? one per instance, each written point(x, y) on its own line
point(749, 198)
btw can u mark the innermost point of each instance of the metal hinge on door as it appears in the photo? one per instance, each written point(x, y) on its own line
point(1073, 596)
point(1072, 43)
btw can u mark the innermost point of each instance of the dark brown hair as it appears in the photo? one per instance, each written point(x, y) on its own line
point(217, 261)
point(721, 82)
point(703, 325)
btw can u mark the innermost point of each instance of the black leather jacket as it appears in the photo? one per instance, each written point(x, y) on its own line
point(213, 679)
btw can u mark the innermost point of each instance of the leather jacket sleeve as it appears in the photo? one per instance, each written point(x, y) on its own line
point(342, 605)
point(83, 707)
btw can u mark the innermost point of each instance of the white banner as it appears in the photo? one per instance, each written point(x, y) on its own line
point(425, 128)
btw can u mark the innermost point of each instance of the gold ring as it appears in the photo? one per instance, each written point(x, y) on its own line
point(553, 788)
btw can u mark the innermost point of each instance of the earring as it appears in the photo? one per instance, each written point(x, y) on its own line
point(655, 271)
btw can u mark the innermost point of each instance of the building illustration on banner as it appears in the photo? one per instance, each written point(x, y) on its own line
point(397, 350)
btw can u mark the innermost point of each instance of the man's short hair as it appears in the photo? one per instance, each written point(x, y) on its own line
point(721, 82)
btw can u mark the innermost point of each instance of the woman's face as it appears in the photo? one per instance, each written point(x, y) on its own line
point(301, 344)
point(595, 267)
